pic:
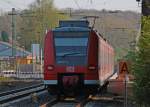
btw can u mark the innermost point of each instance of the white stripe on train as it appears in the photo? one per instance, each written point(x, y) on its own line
point(90, 82)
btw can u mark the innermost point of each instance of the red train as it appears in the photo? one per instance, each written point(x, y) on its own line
point(76, 58)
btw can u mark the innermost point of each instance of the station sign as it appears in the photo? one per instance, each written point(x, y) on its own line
point(123, 67)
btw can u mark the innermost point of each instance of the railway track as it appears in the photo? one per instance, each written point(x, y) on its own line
point(13, 95)
point(107, 100)
point(67, 102)
point(84, 101)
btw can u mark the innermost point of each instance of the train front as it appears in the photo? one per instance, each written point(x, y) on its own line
point(66, 58)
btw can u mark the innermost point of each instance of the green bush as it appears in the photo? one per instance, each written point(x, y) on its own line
point(141, 66)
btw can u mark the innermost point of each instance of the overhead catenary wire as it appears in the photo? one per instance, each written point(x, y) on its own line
point(4, 5)
point(91, 1)
point(16, 6)
point(77, 4)
point(11, 4)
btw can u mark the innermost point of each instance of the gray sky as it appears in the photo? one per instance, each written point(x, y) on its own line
point(84, 4)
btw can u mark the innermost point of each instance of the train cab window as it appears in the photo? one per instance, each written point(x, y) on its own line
point(71, 48)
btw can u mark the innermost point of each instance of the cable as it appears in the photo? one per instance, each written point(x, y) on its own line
point(77, 4)
point(91, 1)
point(4, 5)
point(10, 4)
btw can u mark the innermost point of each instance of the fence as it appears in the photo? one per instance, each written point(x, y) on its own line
point(21, 75)
point(10, 68)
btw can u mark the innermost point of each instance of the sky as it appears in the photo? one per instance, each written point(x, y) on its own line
point(6, 5)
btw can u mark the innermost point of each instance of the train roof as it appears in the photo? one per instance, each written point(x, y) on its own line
point(72, 26)
point(73, 23)
point(71, 29)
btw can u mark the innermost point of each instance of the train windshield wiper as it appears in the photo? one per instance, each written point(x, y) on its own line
point(69, 54)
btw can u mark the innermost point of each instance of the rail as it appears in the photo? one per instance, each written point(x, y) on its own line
point(19, 93)
point(82, 101)
point(74, 102)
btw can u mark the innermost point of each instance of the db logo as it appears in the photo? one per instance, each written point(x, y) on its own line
point(70, 68)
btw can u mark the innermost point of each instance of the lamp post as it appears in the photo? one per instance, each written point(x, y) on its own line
point(126, 90)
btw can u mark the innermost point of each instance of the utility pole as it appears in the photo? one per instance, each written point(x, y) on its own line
point(42, 11)
point(126, 98)
point(145, 7)
point(70, 12)
point(13, 14)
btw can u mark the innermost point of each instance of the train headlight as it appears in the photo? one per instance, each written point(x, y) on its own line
point(50, 67)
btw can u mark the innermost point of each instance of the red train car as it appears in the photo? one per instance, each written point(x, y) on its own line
point(76, 58)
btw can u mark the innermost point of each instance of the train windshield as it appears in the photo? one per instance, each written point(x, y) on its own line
point(71, 48)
